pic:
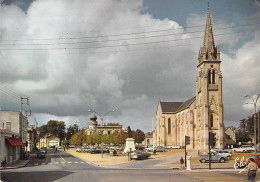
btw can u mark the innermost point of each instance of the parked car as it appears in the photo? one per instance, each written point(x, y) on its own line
point(97, 151)
point(139, 147)
point(244, 163)
point(78, 149)
point(173, 147)
point(215, 157)
point(223, 152)
point(41, 154)
point(45, 149)
point(244, 150)
point(157, 149)
point(140, 155)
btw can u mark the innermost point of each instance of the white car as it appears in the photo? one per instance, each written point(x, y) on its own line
point(244, 150)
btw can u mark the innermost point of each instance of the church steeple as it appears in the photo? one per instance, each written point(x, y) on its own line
point(208, 52)
point(208, 37)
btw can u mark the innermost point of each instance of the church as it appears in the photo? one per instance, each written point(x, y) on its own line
point(200, 114)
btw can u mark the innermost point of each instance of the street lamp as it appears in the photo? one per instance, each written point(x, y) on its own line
point(255, 105)
point(102, 119)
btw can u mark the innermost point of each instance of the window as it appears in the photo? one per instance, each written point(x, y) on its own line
point(209, 77)
point(8, 126)
point(213, 77)
point(169, 126)
point(211, 120)
point(108, 132)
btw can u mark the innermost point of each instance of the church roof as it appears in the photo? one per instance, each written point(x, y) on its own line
point(186, 104)
point(173, 107)
point(170, 107)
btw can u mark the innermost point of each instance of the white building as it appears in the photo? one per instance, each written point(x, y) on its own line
point(9, 146)
point(16, 122)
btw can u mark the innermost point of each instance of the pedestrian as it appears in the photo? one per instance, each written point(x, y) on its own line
point(251, 170)
point(181, 161)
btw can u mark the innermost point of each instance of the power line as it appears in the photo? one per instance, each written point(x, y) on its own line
point(135, 38)
point(107, 46)
point(112, 35)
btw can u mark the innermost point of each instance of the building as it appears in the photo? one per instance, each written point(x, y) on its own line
point(107, 129)
point(201, 114)
point(13, 135)
point(148, 140)
point(230, 137)
point(31, 139)
point(49, 141)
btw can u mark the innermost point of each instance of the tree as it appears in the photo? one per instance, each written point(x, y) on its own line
point(71, 131)
point(76, 139)
point(43, 130)
point(56, 128)
point(120, 137)
point(66, 143)
point(139, 136)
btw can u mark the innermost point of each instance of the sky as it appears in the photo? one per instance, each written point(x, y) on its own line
point(72, 56)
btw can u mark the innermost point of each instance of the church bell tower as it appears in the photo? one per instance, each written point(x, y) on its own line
point(209, 100)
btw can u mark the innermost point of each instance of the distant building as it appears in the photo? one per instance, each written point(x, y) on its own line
point(49, 141)
point(201, 114)
point(31, 139)
point(148, 140)
point(107, 129)
point(230, 137)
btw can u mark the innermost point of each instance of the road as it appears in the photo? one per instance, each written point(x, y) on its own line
point(62, 166)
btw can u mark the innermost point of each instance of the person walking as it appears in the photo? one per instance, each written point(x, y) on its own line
point(251, 170)
point(182, 162)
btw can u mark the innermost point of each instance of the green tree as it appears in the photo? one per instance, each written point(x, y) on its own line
point(138, 135)
point(71, 131)
point(66, 143)
point(97, 138)
point(43, 130)
point(56, 128)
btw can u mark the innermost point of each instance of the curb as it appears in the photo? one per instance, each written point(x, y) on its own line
point(18, 166)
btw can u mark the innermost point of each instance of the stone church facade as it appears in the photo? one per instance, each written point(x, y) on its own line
point(202, 113)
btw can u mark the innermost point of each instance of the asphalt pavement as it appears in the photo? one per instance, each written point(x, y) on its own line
point(62, 166)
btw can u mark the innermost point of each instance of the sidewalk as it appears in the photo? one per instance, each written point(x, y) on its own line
point(20, 163)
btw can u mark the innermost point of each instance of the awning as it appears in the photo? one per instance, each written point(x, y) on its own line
point(14, 142)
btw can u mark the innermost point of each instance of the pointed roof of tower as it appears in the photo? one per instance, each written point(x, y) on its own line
point(208, 52)
point(208, 37)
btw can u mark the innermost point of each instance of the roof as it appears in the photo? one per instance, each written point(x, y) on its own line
point(173, 107)
point(186, 104)
point(170, 107)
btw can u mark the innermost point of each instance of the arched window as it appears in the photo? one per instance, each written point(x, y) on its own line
point(148, 142)
point(211, 120)
point(169, 126)
point(213, 77)
point(209, 77)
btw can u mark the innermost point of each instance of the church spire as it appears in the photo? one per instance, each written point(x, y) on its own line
point(208, 37)
point(208, 52)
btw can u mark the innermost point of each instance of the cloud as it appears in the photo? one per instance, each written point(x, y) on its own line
point(65, 83)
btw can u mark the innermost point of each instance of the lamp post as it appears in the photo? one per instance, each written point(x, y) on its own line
point(255, 105)
point(102, 119)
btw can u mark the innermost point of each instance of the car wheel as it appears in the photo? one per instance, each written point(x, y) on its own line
point(202, 160)
point(221, 160)
point(228, 157)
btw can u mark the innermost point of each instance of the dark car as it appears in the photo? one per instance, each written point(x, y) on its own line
point(140, 155)
point(98, 151)
point(41, 154)
point(44, 149)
